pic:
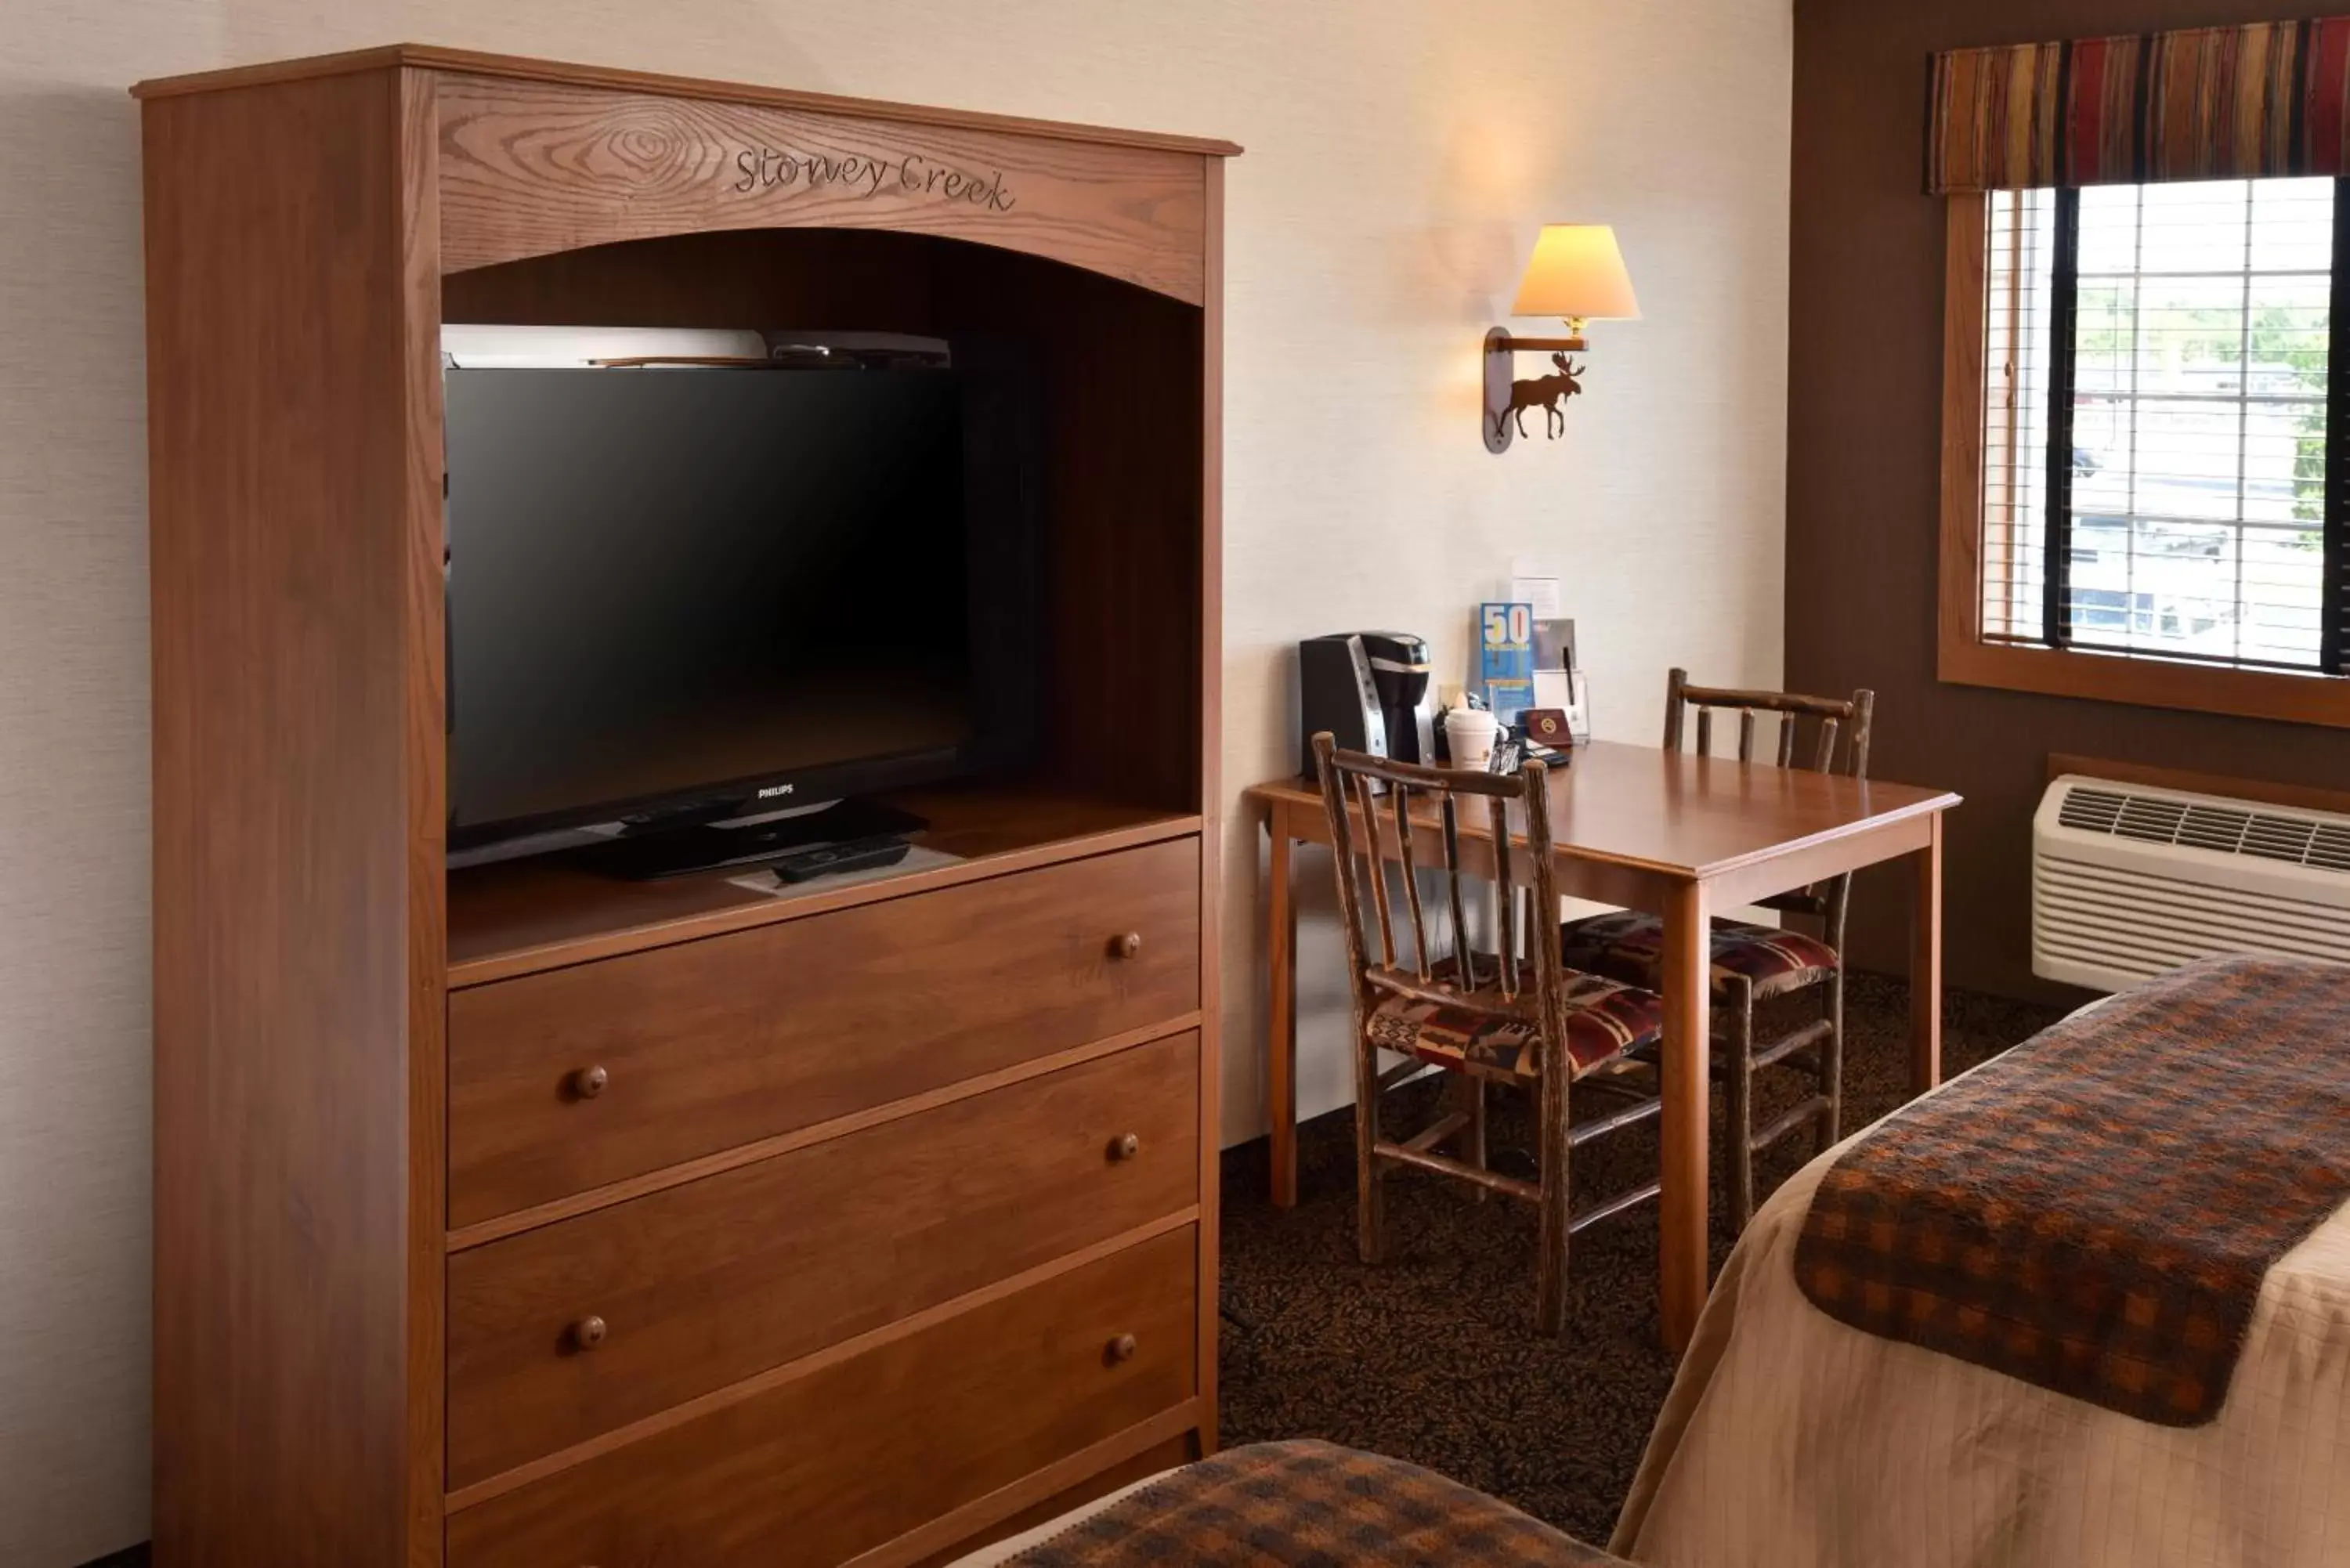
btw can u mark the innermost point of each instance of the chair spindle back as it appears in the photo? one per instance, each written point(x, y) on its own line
point(1839, 719)
point(1836, 719)
point(1361, 835)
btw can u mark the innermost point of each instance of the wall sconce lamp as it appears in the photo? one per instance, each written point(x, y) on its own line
point(1577, 272)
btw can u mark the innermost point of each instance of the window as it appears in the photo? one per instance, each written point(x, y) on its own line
point(2147, 465)
point(2155, 430)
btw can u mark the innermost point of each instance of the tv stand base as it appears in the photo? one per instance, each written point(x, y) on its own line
point(683, 851)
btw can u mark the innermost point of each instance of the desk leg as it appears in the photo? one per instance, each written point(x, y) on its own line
point(1281, 1027)
point(1682, 1204)
point(1925, 965)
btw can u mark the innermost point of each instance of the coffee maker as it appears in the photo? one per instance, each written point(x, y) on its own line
point(1369, 689)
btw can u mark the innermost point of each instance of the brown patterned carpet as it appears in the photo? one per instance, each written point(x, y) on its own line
point(1431, 1357)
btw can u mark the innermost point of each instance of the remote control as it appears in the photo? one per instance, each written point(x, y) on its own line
point(855, 854)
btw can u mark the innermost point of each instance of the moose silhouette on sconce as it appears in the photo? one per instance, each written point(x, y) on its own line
point(1548, 393)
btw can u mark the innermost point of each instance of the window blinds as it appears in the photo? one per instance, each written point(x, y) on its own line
point(2018, 271)
point(2157, 419)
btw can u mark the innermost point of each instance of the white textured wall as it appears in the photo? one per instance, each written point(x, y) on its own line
point(1401, 154)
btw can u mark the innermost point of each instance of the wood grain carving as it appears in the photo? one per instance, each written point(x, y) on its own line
point(472, 63)
point(530, 168)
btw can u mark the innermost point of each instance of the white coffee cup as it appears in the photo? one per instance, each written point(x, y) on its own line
point(1472, 732)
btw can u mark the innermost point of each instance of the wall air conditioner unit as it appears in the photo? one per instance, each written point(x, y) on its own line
point(2129, 880)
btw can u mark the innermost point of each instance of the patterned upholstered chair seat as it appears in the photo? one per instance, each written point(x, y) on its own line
point(1605, 1019)
point(1629, 946)
point(1561, 1026)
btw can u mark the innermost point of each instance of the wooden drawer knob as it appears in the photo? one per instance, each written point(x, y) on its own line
point(588, 1332)
point(588, 1082)
point(1120, 1349)
point(1125, 1147)
point(1125, 944)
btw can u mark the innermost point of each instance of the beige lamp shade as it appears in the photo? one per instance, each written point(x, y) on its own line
point(1577, 272)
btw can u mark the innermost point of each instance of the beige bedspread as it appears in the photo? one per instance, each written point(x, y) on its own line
point(1790, 1440)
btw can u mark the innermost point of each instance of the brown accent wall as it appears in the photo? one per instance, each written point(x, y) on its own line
point(1863, 435)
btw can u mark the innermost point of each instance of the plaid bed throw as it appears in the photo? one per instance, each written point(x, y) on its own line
point(1295, 1504)
point(2095, 1211)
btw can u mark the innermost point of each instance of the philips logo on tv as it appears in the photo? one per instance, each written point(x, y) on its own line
point(772, 791)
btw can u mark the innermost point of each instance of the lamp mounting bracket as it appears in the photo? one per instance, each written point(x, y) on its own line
point(1507, 400)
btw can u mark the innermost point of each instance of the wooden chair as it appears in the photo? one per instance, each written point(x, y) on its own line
point(1752, 962)
point(1489, 1018)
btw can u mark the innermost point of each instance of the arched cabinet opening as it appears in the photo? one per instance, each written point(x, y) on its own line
point(1096, 421)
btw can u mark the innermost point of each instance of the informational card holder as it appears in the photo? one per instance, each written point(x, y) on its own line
point(1578, 710)
point(1505, 668)
point(1558, 675)
point(1555, 643)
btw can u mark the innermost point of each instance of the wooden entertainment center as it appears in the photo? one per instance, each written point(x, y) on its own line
point(517, 1218)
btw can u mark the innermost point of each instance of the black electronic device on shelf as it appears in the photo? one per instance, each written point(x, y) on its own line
point(669, 850)
point(694, 577)
point(1369, 689)
point(838, 860)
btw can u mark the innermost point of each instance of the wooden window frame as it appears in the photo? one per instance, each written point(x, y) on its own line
point(1963, 657)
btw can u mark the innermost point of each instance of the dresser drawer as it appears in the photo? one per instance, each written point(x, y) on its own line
point(567, 1080)
point(705, 1284)
point(859, 1452)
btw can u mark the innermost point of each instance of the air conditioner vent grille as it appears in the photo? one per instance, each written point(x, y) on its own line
point(2206, 828)
point(2090, 810)
point(2330, 848)
point(2280, 838)
point(2154, 819)
point(2151, 821)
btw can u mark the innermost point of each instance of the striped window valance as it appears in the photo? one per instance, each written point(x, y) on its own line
point(2203, 103)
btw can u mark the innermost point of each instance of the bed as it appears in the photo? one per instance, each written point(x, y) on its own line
point(1299, 1504)
point(2147, 1432)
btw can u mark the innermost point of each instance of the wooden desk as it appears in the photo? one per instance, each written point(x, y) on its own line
point(1681, 836)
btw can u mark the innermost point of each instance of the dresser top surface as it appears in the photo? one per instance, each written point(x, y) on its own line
point(522, 916)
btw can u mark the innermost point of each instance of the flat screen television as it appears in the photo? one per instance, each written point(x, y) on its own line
point(692, 588)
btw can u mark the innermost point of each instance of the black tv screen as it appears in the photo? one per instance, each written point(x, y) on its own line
point(669, 585)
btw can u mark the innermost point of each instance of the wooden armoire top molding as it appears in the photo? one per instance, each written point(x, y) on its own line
point(539, 156)
point(468, 62)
